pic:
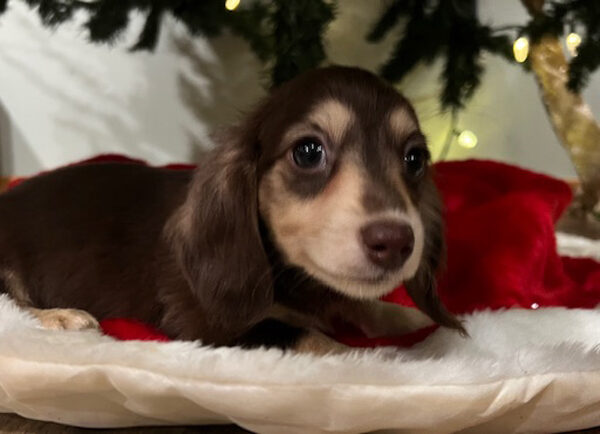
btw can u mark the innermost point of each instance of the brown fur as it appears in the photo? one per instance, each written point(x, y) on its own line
point(208, 255)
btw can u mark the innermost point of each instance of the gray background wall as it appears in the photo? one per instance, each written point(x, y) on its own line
point(62, 99)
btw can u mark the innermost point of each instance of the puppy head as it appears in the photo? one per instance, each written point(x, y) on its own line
point(345, 186)
point(335, 166)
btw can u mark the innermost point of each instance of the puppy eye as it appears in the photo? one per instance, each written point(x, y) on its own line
point(415, 162)
point(308, 154)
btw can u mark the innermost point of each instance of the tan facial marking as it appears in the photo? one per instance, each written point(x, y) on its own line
point(322, 234)
point(402, 122)
point(331, 116)
point(296, 222)
point(334, 117)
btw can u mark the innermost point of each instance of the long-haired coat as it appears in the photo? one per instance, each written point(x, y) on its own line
point(317, 204)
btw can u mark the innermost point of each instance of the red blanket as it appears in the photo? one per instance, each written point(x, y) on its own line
point(501, 247)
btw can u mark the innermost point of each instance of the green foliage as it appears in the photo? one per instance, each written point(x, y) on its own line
point(287, 35)
point(298, 28)
point(450, 29)
point(432, 29)
point(564, 16)
point(253, 23)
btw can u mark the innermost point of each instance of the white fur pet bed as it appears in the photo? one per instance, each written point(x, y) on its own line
point(521, 371)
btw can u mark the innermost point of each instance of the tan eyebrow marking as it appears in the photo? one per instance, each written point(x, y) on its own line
point(402, 122)
point(334, 117)
point(331, 117)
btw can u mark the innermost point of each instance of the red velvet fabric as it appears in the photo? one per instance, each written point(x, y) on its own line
point(501, 248)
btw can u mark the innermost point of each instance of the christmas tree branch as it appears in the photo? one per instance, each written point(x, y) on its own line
point(570, 116)
point(440, 28)
point(285, 35)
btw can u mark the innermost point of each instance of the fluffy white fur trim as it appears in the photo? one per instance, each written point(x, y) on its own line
point(521, 371)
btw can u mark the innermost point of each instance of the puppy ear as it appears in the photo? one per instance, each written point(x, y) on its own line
point(217, 242)
point(422, 288)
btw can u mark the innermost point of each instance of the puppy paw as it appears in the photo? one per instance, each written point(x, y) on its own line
point(319, 344)
point(65, 319)
point(387, 319)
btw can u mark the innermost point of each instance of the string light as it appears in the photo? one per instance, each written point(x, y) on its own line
point(231, 5)
point(521, 49)
point(573, 41)
point(467, 139)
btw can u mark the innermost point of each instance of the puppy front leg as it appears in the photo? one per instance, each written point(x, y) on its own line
point(374, 318)
point(53, 319)
point(289, 331)
point(378, 318)
point(314, 342)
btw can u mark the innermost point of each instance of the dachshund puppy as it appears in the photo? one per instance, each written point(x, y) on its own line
point(317, 204)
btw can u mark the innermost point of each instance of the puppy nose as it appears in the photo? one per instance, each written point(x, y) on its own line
point(388, 244)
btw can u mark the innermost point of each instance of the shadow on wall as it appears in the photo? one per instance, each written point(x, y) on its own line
point(90, 99)
point(6, 160)
point(97, 99)
point(220, 87)
point(219, 84)
point(13, 149)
